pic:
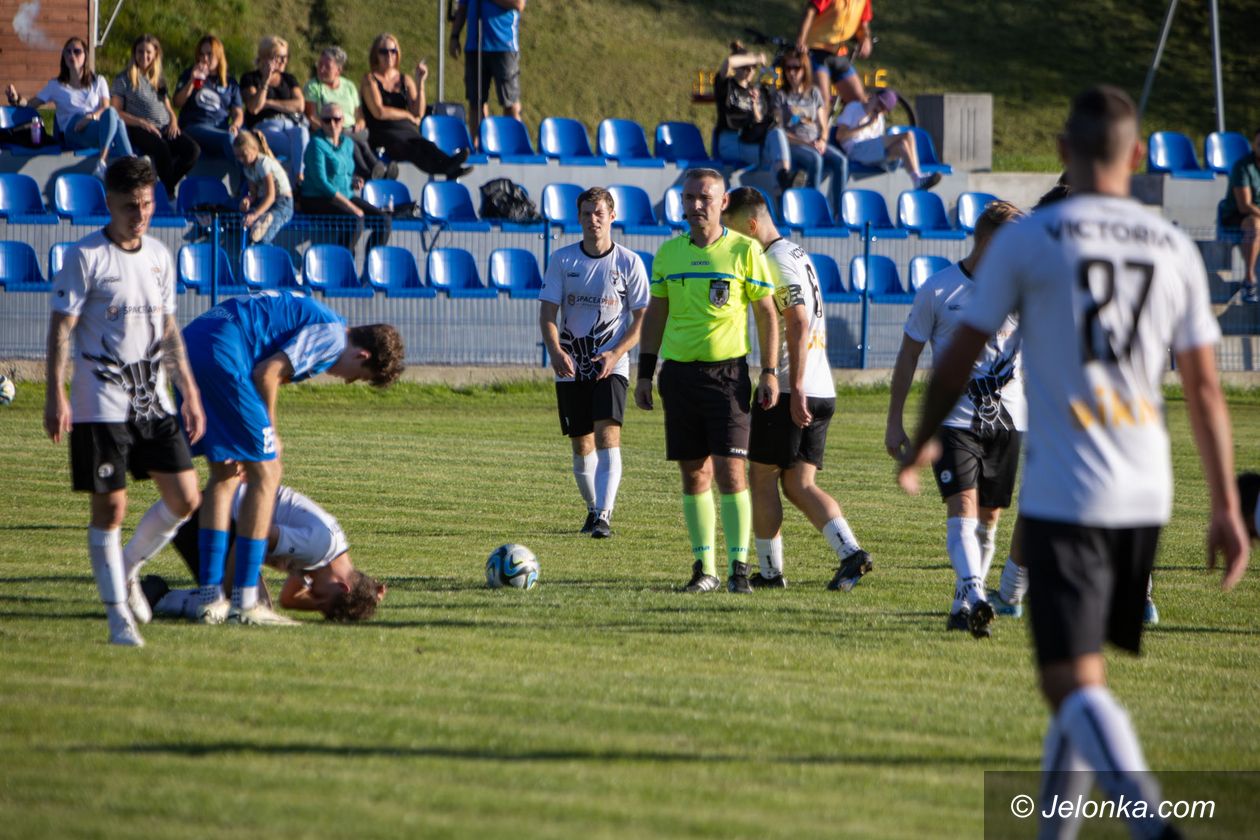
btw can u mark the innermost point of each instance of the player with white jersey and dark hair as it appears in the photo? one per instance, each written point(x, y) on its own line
point(787, 441)
point(599, 291)
point(1103, 287)
point(981, 436)
point(115, 296)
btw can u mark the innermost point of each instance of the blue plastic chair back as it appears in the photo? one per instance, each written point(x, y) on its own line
point(884, 279)
point(378, 193)
point(505, 137)
point(622, 140)
point(806, 207)
point(674, 208)
point(515, 270)
point(194, 267)
point(920, 210)
point(199, 191)
point(455, 271)
point(857, 207)
point(77, 196)
point(447, 133)
point(162, 202)
point(19, 265)
point(57, 257)
point(330, 268)
point(970, 207)
point(928, 161)
point(559, 205)
point(830, 281)
point(19, 196)
point(394, 269)
point(680, 141)
point(447, 202)
point(1222, 149)
point(634, 208)
point(924, 266)
point(648, 258)
point(12, 116)
point(1171, 152)
point(562, 137)
point(268, 267)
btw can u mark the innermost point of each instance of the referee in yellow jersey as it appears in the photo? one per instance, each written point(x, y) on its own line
point(697, 322)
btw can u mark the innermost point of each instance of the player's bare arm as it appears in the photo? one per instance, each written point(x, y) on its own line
point(653, 330)
point(561, 362)
point(767, 318)
point(57, 417)
point(268, 376)
point(175, 360)
point(607, 360)
point(1209, 420)
point(796, 322)
point(895, 439)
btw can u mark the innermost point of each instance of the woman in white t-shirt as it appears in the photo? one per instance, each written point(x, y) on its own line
point(81, 99)
point(859, 132)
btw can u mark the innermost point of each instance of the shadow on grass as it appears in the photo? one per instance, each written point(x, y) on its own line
point(94, 616)
point(33, 527)
point(47, 579)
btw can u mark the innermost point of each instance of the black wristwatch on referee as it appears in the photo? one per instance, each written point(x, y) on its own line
point(772, 371)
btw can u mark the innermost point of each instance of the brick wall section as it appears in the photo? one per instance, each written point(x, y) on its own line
point(30, 66)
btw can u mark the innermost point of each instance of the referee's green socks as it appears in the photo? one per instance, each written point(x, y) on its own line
point(702, 527)
point(736, 526)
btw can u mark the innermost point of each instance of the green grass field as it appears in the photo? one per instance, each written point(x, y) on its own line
point(601, 704)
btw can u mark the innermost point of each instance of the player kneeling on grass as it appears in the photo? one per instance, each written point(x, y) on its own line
point(787, 441)
point(115, 295)
point(304, 541)
point(600, 291)
point(241, 352)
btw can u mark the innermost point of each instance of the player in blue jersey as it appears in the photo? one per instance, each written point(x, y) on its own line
point(241, 352)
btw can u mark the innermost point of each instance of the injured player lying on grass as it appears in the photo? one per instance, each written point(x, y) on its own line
point(304, 541)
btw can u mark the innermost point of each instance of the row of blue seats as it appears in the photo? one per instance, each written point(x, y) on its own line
point(331, 269)
point(81, 199)
point(1172, 153)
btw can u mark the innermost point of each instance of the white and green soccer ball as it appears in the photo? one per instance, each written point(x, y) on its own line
point(512, 565)
point(7, 390)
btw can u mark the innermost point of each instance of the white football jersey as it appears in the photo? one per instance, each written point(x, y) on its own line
point(796, 284)
point(995, 394)
point(1103, 287)
point(121, 299)
point(310, 537)
point(596, 296)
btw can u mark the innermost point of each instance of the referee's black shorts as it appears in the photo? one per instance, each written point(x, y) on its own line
point(706, 409)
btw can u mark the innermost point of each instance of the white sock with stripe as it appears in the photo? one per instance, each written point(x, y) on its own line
point(770, 556)
point(840, 537)
point(964, 556)
point(607, 479)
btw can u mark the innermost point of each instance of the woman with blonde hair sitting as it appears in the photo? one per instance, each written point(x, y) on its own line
point(274, 103)
point(140, 97)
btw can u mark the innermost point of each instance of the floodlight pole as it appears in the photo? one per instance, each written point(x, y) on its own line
point(1215, 24)
point(441, 51)
point(1159, 54)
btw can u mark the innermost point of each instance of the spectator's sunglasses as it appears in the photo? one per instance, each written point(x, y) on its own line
point(387, 50)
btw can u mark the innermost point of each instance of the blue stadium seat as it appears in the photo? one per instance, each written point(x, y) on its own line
point(57, 258)
point(330, 268)
point(199, 191)
point(672, 210)
point(1222, 149)
point(449, 134)
point(805, 209)
point(268, 267)
point(1172, 153)
point(20, 201)
point(625, 142)
point(164, 213)
point(81, 199)
point(830, 281)
point(857, 207)
point(505, 138)
point(924, 266)
point(194, 269)
point(923, 212)
point(394, 269)
point(515, 270)
point(682, 144)
point(565, 139)
point(379, 193)
point(885, 285)
point(648, 258)
point(928, 161)
point(559, 206)
point(634, 210)
point(454, 271)
point(14, 116)
point(449, 205)
point(970, 206)
point(19, 268)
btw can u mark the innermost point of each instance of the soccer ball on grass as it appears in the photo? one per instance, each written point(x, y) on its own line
point(511, 565)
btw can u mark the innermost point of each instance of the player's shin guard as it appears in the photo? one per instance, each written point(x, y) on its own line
point(584, 475)
point(156, 528)
point(964, 556)
point(250, 554)
point(1064, 776)
point(105, 552)
point(702, 528)
point(736, 526)
point(840, 537)
point(212, 549)
point(770, 556)
point(607, 479)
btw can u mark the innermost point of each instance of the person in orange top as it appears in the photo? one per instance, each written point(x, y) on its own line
point(825, 27)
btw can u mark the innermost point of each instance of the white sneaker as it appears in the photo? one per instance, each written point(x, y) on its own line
point(260, 616)
point(99, 171)
point(122, 631)
point(215, 612)
point(136, 602)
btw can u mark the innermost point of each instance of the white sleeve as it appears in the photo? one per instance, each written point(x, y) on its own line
point(101, 88)
point(552, 289)
point(51, 92)
point(315, 348)
point(170, 305)
point(790, 285)
point(998, 279)
point(637, 284)
point(70, 285)
point(1197, 326)
point(922, 318)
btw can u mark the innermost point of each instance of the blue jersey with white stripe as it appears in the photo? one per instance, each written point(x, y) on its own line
point(500, 27)
point(305, 330)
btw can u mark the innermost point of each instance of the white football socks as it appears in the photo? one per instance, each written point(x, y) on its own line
point(964, 556)
point(770, 556)
point(840, 537)
point(986, 536)
point(1065, 775)
point(105, 553)
point(607, 480)
point(156, 528)
point(1014, 582)
point(244, 597)
point(584, 475)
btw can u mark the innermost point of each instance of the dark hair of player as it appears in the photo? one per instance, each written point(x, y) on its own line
point(1101, 124)
point(746, 201)
point(1055, 194)
point(597, 194)
point(996, 214)
point(1248, 495)
point(385, 345)
point(359, 604)
point(126, 175)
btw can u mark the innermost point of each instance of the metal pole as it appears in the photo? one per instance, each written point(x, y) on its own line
point(1159, 54)
point(214, 259)
point(1216, 65)
point(441, 51)
point(864, 350)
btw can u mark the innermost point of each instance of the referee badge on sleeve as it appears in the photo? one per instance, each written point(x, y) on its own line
point(719, 292)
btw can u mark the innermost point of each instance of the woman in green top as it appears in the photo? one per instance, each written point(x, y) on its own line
point(330, 182)
point(329, 85)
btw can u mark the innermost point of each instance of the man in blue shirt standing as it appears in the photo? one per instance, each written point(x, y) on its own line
point(241, 352)
point(493, 48)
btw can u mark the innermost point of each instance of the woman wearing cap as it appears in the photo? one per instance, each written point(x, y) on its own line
point(745, 116)
point(859, 132)
point(799, 109)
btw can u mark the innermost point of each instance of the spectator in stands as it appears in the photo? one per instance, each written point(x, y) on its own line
point(269, 205)
point(1240, 209)
point(209, 101)
point(329, 85)
point(798, 108)
point(826, 26)
point(274, 103)
point(81, 99)
point(330, 183)
point(393, 106)
point(859, 132)
point(492, 51)
point(745, 117)
point(139, 95)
